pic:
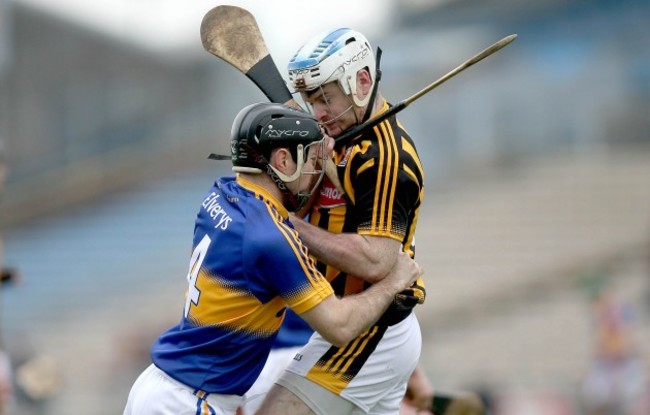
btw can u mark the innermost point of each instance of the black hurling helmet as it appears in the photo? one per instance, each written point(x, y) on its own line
point(260, 128)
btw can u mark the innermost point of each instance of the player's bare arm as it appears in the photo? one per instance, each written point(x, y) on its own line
point(367, 257)
point(341, 320)
point(419, 391)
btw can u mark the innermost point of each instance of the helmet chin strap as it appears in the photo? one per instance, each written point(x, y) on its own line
point(373, 94)
point(291, 201)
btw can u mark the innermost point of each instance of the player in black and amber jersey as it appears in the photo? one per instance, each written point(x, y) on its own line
point(356, 232)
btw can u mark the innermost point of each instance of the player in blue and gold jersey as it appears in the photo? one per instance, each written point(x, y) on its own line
point(248, 263)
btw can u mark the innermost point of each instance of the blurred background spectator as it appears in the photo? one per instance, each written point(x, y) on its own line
point(6, 277)
point(617, 380)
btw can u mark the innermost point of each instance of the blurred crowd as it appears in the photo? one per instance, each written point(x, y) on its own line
point(617, 381)
point(27, 380)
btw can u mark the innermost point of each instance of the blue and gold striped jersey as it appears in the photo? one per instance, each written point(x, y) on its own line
point(247, 264)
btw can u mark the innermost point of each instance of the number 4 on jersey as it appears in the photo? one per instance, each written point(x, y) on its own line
point(193, 293)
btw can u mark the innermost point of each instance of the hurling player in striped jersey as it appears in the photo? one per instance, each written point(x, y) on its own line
point(356, 234)
point(247, 265)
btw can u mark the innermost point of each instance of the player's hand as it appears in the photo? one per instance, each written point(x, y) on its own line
point(419, 392)
point(410, 297)
point(405, 271)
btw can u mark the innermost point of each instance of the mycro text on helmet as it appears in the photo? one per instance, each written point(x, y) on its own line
point(361, 55)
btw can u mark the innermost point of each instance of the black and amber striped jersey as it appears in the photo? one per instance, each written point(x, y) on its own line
point(383, 179)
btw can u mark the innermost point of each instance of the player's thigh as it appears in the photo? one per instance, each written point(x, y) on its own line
point(294, 394)
point(370, 372)
point(273, 368)
point(154, 393)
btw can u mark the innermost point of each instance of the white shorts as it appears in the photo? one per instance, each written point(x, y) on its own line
point(370, 374)
point(154, 392)
point(275, 364)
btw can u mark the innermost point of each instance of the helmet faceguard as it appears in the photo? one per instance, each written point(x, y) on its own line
point(334, 55)
point(317, 149)
point(260, 128)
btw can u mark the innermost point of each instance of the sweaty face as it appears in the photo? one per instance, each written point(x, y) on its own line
point(332, 108)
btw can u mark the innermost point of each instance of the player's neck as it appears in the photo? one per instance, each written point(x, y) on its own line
point(378, 104)
point(263, 180)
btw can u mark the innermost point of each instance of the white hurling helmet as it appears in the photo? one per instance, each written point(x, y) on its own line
point(334, 55)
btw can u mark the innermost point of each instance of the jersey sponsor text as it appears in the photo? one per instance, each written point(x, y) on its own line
point(216, 212)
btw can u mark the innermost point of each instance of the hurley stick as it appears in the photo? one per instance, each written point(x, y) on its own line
point(353, 132)
point(232, 34)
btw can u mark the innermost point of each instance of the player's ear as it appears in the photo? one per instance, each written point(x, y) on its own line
point(281, 160)
point(364, 83)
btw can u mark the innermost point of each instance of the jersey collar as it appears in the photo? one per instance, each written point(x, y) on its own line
point(381, 110)
point(265, 194)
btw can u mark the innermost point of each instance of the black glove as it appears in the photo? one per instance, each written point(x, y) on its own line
point(410, 297)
